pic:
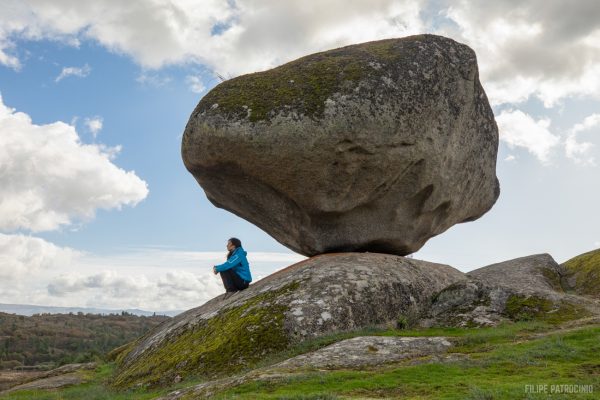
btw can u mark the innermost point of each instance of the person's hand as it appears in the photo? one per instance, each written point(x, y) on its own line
point(214, 270)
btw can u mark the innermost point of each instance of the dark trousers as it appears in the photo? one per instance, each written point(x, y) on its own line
point(232, 281)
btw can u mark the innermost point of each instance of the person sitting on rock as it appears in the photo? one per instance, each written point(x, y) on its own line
point(235, 272)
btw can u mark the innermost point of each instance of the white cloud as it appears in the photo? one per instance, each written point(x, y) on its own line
point(153, 79)
point(195, 83)
point(9, 60)
point(579, 151)
point(26, 256)
point(94, 125)
point(147, 278)
point(588, 123)
point(49, 178)
point(519, 129)
point(74, 71)
point(169, 290)
point(522, 46)
point(510, 158)
point(229, 37)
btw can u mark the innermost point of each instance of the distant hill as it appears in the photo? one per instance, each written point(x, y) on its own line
point(29, 310)
point(56, 339)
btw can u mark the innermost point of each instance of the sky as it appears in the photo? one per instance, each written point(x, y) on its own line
point(97, 209)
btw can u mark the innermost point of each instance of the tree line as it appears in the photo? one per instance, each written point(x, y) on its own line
point(51, 340)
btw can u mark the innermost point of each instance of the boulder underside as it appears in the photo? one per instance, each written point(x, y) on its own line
point(372, 147)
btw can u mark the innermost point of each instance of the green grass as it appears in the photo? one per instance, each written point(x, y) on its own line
point(502, 360)
point(466, 339)
point(501, 372)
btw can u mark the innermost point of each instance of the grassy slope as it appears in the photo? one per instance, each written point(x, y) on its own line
point(502, 361)
point(585, 268)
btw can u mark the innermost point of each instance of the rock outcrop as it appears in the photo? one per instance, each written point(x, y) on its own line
point(224, 339)
point(324, 294)
point(66, 375)
point(355, 353)
point(364, 351)
point(524, 288)
point(581, 274)
point(372, 147)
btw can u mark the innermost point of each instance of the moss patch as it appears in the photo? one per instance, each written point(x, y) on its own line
point(119, 353)
point(302, 85)
point(553, 278)
point(585, 269)
point(526, 308)
point(235, 338)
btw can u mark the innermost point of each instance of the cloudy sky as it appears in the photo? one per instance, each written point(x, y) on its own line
point(97, 209)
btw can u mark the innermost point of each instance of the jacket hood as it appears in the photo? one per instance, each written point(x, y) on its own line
point(240, 250)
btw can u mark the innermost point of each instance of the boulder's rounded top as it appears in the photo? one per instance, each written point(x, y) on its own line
point(303, 86)
point(371, 147)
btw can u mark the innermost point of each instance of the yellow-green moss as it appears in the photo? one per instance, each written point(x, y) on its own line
point(235, 338)
point(525, 308)
point(302, 85)
point(117, 354)
point(552, 278)
point(585, 269)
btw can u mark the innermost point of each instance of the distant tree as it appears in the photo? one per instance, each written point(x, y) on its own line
point(64, 338)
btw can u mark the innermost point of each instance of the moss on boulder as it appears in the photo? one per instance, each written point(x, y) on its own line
point(238, 337)
point(302, 85)
point(582, 274)
point(525, 288)
point(117, 354)
point(326, 294)
point(525, 308)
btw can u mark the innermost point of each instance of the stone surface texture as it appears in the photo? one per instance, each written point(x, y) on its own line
point(355, 353)
point(371, 147)
point(367, 350)
point(66, 375)
point(526, 287)
point(331, 293)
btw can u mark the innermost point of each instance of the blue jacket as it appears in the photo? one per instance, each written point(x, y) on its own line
point(239, 263)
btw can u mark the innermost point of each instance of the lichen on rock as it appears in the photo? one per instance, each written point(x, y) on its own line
point(236, 337)
point(526, 308)
point(372, 147)
point(322, 295)
point(525, 288)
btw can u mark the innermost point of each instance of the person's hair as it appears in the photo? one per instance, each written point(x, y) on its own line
point(237, 243)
